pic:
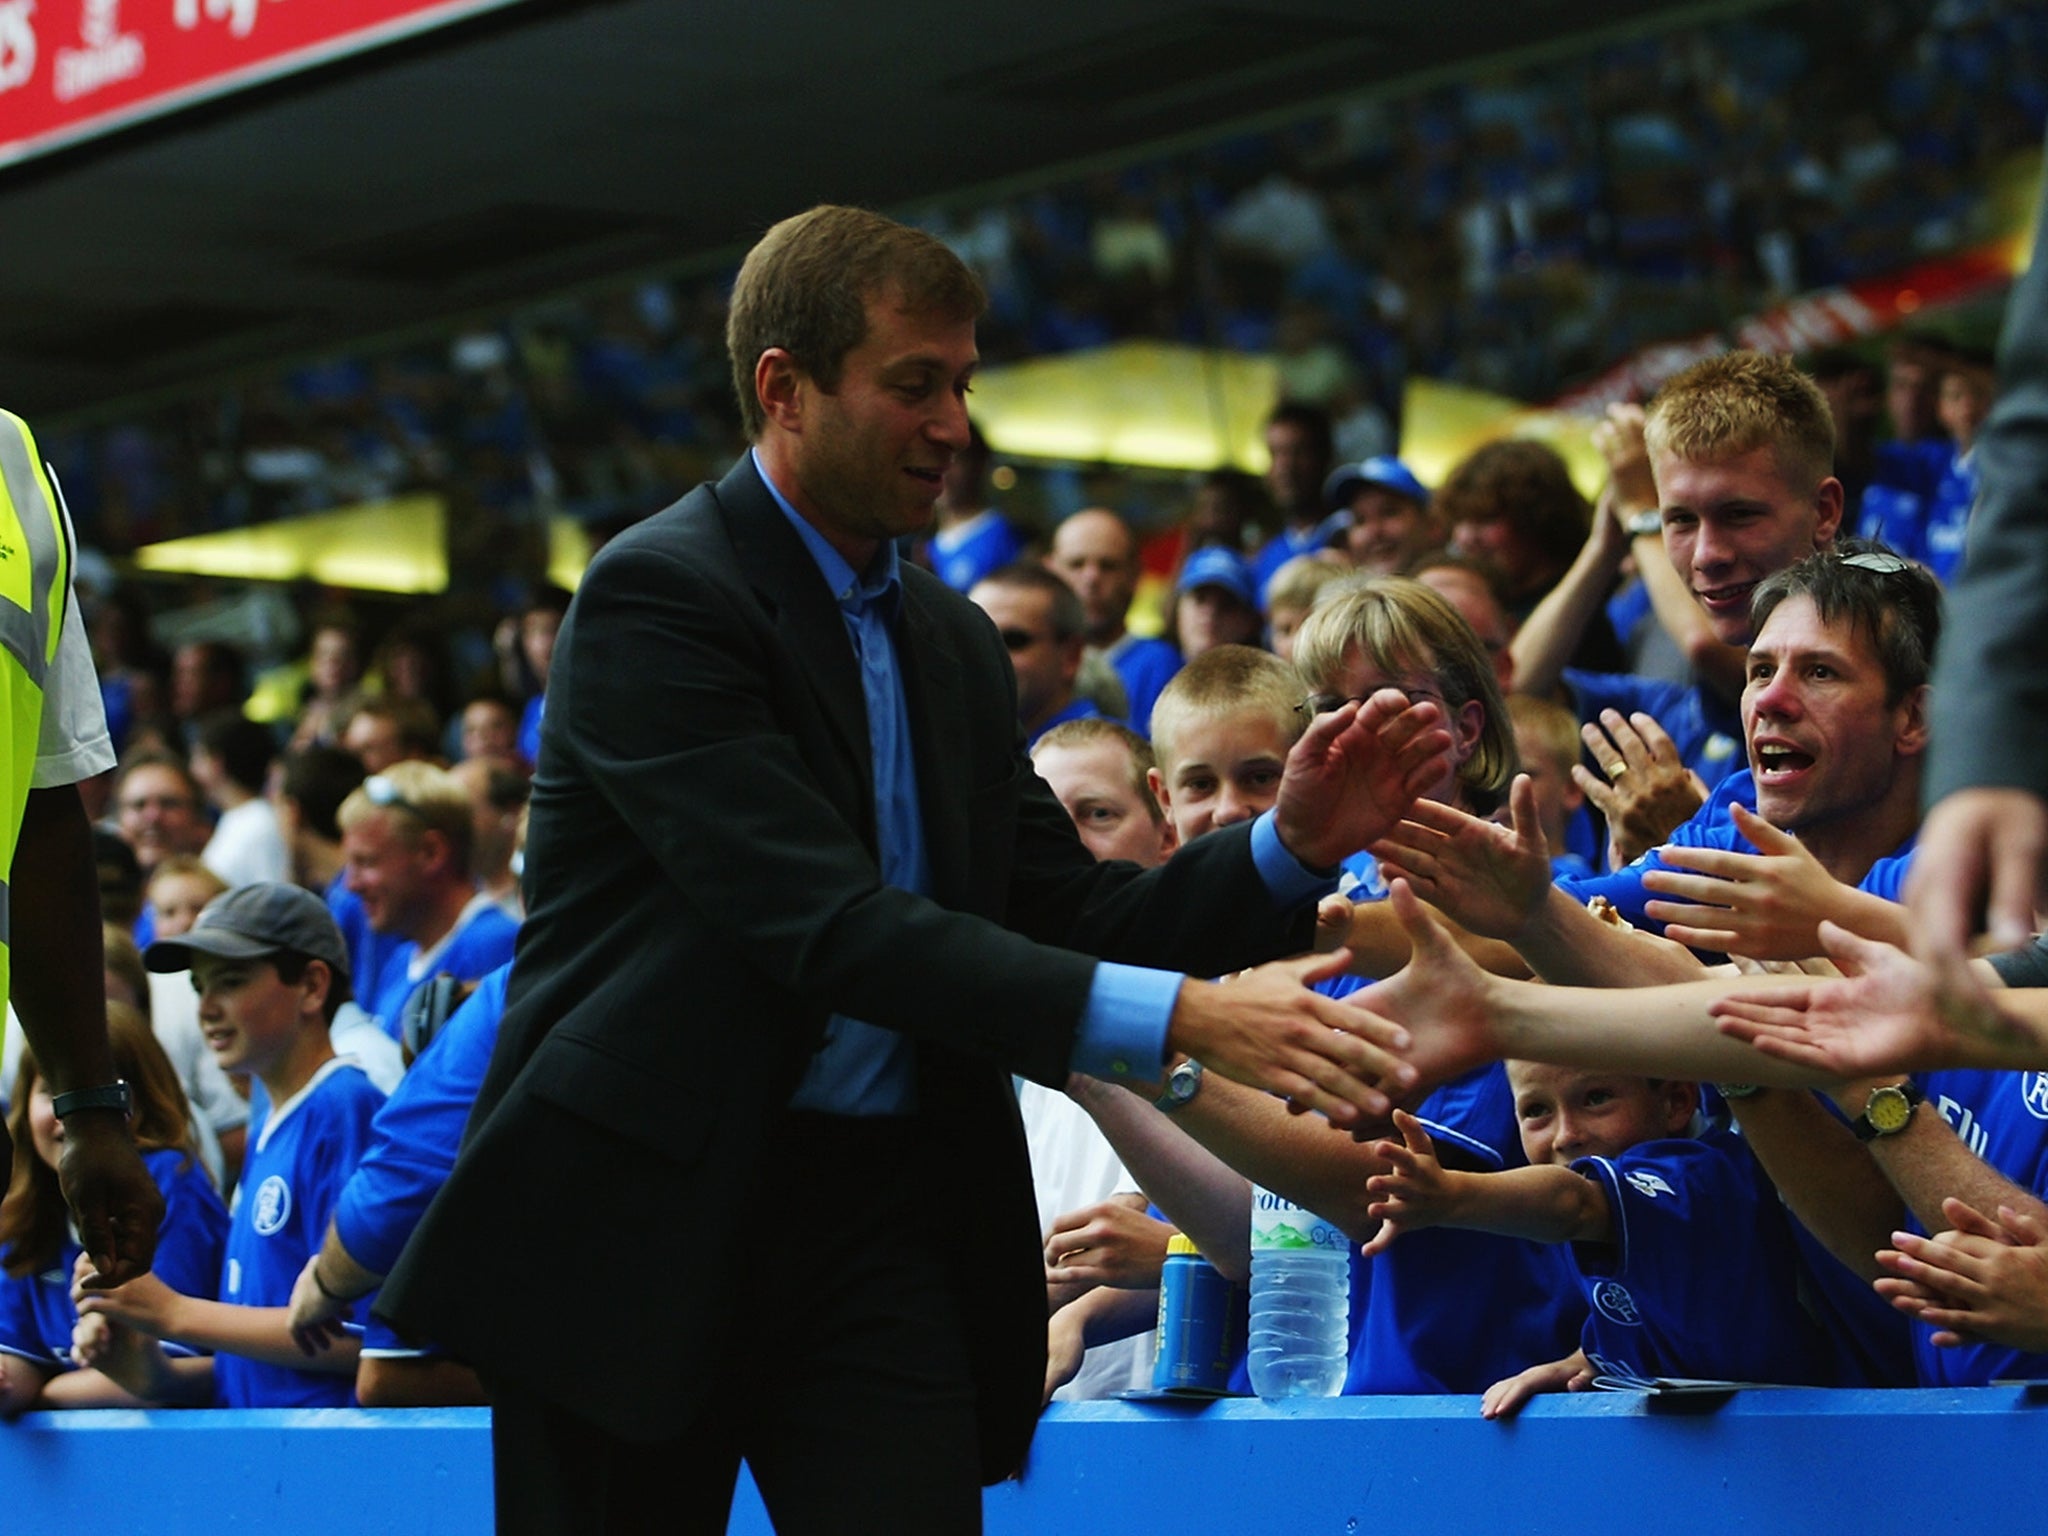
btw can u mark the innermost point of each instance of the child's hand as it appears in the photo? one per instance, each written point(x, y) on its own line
point(144, 1303)
point(131, 1360)
point(1415, 1191)
point(1574, 1373)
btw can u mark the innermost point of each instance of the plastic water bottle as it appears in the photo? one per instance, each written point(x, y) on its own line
point(1301, 1300)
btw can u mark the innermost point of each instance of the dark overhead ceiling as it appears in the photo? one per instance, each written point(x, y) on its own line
point(557, 144)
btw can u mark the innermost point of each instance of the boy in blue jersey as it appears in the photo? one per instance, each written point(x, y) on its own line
point(1677, 1242)
point(407, 834)
point(271, 971)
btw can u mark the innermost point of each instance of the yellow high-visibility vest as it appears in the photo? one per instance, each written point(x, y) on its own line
point(35, 583)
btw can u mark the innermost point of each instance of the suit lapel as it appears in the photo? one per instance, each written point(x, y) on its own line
point(789, 584)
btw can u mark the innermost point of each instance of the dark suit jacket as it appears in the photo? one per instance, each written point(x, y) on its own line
point(703, 892)
point(1989, 717)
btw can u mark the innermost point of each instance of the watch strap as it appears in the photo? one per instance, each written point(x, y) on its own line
point(114, 1095)
point(1182, 1084)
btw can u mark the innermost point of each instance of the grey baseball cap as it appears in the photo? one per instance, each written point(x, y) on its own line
point(254, 921)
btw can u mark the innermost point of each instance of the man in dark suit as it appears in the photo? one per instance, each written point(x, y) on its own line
point(746, 1178)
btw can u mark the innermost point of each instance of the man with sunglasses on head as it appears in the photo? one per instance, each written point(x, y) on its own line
point(405, 836)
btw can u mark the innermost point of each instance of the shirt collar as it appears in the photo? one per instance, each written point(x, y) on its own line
point(850, 588)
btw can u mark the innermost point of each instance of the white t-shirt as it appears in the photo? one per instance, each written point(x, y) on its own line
point(74, 743)
point(1073, 1166)
point(248, 845)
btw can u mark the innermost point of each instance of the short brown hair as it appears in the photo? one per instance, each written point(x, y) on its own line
point(1725, 406)
point(805, 288)
point(1226, 679)
point(1298, 581)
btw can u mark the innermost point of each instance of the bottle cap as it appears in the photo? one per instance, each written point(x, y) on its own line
point(1180, 1242)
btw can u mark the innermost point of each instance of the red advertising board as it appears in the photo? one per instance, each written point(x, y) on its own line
point(70, 69)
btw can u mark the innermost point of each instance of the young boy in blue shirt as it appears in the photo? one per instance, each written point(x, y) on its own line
point(271, 971)
point(1678, 1241)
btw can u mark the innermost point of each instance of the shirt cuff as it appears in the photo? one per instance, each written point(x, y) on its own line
point(1123, 1028)
point(1289, 881)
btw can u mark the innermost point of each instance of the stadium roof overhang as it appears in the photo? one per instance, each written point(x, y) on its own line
point(532, 147)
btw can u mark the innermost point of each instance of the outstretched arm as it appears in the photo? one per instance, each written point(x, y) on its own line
point(1544, 1204)
point(1767, 905)
point(146, 1305)
point(1266, 1029)
point(1543, 645)
point(1979, 868)
point(1460, 1017)
point(1890, 1013)
point(1495, 880)
point(1354, 773)
point(1644, 789)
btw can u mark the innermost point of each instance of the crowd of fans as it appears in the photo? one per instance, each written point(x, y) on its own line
point(1589, 1181)
point(1687, 725)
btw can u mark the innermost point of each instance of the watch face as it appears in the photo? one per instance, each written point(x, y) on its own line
point(1888, 1111)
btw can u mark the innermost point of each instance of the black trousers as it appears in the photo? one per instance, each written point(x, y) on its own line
point(843, 1382)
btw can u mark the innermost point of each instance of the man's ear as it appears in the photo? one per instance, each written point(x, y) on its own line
point(778, 383)
point(1827, 507)
point(1572, 798)
point(1169, 836)
point(1911, 739)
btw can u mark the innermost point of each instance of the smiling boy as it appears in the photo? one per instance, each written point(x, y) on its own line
point(1679, 1243)
point(271, 971)
point(1221, 732)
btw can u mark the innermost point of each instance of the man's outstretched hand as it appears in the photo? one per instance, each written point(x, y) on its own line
point(1265, 1028)
point(1354, 774)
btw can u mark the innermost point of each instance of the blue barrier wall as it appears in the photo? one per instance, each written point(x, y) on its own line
point(1595, 1465)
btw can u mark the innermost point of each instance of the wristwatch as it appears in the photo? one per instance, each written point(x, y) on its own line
point(1644, 525)
point(1888, 1110)
point(114, 1095)
point(1182, 1084)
